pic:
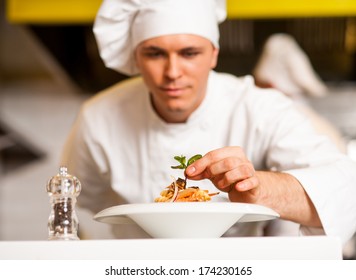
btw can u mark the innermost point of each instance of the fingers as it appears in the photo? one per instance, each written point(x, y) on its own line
point(225, 167)
point(214, 162)
point(247, 184)
point(236, 177)
point(246, 191)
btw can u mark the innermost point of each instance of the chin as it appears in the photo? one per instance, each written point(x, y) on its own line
point(177, 110)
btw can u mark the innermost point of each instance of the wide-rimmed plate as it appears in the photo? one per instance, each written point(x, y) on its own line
point(185, 219)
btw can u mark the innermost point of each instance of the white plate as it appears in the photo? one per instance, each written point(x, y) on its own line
point(185, 219)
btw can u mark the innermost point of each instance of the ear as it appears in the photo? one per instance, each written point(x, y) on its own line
point(214, 58)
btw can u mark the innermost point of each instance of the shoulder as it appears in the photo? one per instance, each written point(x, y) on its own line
point(119, 92)
point(244, 91)
point(112, 106)
point(115, 97)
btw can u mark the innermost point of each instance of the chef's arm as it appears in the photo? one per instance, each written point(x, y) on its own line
point(283, 193)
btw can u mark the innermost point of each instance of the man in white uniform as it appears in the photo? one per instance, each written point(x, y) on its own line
point(257, 147)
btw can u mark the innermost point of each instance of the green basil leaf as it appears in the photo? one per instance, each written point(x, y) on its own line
point(181, 160)
point(178, 167)
point(193, 159)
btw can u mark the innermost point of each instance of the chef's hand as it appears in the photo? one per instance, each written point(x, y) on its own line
point(230, 171)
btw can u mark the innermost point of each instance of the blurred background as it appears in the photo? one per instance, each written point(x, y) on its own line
point(49, 64)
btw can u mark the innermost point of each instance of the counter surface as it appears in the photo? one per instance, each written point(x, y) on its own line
point(247, 248)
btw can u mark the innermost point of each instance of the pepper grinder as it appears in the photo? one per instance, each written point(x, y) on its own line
point(63, 190)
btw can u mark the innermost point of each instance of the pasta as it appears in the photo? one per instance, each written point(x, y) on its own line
point(177, 192)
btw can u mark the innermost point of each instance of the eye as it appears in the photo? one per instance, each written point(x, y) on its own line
point(190, 53)
point(154, 54)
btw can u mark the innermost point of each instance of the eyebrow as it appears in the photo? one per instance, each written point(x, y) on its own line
point(155, 48)
point(152, 48)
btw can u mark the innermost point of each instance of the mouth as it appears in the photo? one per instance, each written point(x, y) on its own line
point(173, 91)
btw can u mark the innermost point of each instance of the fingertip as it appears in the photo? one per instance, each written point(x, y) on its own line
point(242, 186)
point(190, 170)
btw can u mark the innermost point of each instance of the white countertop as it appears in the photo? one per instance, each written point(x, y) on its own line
point(247, 248)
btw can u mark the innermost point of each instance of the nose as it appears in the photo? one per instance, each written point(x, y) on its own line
point(173, 68)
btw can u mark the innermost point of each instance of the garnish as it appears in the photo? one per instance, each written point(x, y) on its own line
point(182, 160)
point(177, 190)
point(184, 164)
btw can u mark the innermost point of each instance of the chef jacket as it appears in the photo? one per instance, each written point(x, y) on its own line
point(122, 151)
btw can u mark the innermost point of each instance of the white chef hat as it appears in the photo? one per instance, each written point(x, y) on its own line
point(121, 25)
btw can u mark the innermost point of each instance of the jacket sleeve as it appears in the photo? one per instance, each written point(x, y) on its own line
point(327, 175)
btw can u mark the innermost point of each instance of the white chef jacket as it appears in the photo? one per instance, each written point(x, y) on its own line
point(122, 151)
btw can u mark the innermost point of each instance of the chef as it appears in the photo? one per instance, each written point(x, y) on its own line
point(256, 146)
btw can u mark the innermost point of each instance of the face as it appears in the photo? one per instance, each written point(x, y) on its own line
point(176, 68)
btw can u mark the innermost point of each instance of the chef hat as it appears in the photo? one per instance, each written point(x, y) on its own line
point(121, 25)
